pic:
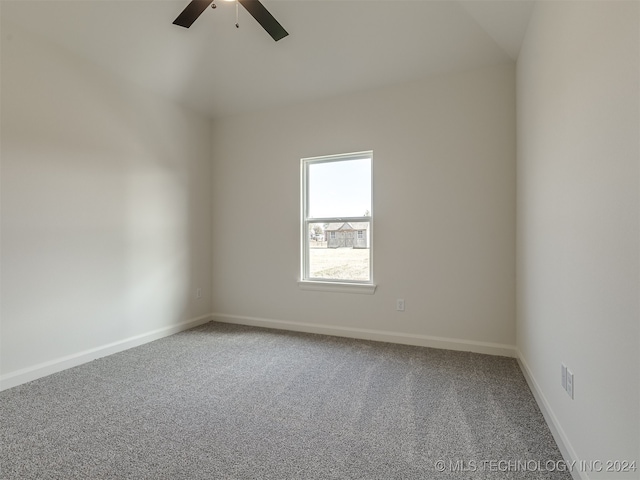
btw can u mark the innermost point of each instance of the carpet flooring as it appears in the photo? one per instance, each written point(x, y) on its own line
point(233, 402)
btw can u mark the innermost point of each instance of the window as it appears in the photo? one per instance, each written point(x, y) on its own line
point(336, 206)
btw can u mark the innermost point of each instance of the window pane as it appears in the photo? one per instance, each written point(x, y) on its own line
point(339, 251)
point(340, 189)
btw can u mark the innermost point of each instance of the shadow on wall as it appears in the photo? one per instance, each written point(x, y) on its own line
point(105, 217)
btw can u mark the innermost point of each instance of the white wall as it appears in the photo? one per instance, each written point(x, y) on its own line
point(578, 222)
point(444, 210)
point(106, 222)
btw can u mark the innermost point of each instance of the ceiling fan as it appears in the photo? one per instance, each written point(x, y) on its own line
point(254, 7)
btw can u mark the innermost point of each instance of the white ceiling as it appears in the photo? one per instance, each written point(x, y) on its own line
point(333, 47)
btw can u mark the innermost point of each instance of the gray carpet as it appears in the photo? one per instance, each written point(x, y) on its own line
point(233, 402)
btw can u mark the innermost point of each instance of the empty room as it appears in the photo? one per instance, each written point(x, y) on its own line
point(320, 239)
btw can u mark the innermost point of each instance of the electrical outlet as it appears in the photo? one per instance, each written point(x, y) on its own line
point(570, 383)
point(198, 293)
point(400, 305)
point(563, 382)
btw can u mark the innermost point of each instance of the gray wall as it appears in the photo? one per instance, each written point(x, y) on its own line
point(105, 208)
point(444, 170)
point(578, 221)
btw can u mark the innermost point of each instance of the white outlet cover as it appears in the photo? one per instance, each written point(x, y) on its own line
point(563, 380)
point(570, 383)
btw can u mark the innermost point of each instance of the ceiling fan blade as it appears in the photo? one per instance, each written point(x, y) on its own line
point(191, 13)
point(264, 18)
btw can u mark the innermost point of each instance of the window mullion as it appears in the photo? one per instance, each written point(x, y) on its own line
point(338, 219)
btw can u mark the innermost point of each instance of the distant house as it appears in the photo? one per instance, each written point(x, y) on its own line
point(346, 234)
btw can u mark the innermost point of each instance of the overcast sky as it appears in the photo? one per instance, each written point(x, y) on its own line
point(340, 189)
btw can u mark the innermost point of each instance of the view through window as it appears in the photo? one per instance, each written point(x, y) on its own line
point(337, 219)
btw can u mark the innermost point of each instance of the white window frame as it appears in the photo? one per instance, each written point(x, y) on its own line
point(334, 285)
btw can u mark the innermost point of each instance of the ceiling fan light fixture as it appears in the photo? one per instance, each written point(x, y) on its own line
point(258, 11)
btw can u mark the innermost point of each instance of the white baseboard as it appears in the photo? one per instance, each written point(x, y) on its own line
point(567, 451)
point(377, 335)
point(25, 375)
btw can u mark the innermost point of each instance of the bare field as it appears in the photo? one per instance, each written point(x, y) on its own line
point(339, 263)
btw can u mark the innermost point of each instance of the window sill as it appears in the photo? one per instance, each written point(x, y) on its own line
point(362, 288)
